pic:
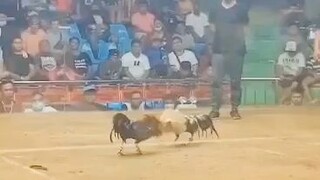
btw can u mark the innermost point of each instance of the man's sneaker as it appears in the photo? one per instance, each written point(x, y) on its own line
point(235, 114)
point(214, 114)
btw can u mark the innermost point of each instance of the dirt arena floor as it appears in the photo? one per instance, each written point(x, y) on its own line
point(268, 144)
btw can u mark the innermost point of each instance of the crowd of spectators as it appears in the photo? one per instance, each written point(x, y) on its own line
point(74, 40)
point(48, 40)
point(298, 67)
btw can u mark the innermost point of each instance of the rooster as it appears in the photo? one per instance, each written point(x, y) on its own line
point(140, 131)
point(176, 122)
point(205, 123)
point(191, 126)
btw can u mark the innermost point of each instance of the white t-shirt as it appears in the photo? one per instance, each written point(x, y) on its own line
point(141, 107)
point(290, 64)
point(46, 109)
point(137, 65)
point(186, 56)
point(197, 22)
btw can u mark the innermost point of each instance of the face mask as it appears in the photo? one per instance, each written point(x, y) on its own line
point(3, 23)
point(159, 28)
point(38, 106)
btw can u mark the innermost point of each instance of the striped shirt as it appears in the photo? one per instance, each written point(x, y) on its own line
point(313, 65)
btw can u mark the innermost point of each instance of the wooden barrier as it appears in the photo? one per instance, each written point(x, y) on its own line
point(69, 92)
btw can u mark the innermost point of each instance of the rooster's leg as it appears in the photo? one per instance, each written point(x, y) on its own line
point(177, 137)
point(191, 138)
point(121, 149)
point(138, 149)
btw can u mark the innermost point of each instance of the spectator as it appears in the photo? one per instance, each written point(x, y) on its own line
point(89, 103)
point(136, 102)
point(296, 98)
point(135, 64)
point(112, 68)
point(7, 98)
point(312, 76)
point(290, 67)
point(143, 20)
point(32, 37)
point(39, 104)
point(64, 6)
point(158, 58)
point(198, 21)
point(159, 31)
point(185, 70)
point(47, 63)
point(95, 47)
point(179, 55)
point(294, 34)
point(57, 37)
point(114, 9)
point(19, 65)
point(8, 33)
point(78, 65)
point(185, 6)
point(185, 34)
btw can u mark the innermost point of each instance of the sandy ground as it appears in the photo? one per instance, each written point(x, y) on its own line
point(269, 143)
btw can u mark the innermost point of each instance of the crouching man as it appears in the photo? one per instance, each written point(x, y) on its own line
point(290, 66)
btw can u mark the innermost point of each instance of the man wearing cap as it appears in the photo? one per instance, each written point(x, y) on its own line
point(111, 69)
point(290, 66)
point(89, 103)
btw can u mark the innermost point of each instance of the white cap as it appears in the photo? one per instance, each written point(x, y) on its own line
point(291, 46)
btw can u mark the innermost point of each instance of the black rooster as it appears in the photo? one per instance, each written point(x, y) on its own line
point(205, 122)
point(141, 130)
point(191, 126)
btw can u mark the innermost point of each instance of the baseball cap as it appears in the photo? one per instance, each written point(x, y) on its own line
point(89, 88)
point(291, 46)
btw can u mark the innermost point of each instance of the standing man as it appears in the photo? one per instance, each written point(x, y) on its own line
point(229, 19)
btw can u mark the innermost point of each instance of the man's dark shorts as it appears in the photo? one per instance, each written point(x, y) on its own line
point(290, 79)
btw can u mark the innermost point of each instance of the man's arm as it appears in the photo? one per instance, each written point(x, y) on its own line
point(103, 71)
point(194, 69)
point(279, 67)
point(89, 72)
point(279, 71)
point(146, 74)
point(31, 74)
point(127, 73)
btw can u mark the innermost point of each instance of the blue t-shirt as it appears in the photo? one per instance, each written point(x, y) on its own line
point(155, 56)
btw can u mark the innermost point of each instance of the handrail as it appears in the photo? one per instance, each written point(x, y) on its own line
point(135, 81)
